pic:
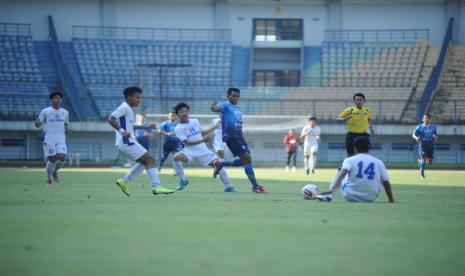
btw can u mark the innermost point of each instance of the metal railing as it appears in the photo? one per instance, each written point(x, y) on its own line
point(152, 33)
point(433, 80)
point(377, 35)
point(15, 29)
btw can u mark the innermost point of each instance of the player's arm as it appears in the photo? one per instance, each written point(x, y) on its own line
point(387, 188)
point(304, 133)
point(114, 123)
point(415, 136)
point(151, 126)
point(345, 115)
point(435, 135)
point(339, 177)
point(164, 133)
point(209, 131)
point(372, 129)
point(40, 119)
point(67, 126)
point(215, 107)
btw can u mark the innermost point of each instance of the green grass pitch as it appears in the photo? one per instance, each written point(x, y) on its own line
point(84, 225)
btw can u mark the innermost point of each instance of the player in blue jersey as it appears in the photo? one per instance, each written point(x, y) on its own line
point(425, 134)
point(172, 143)
point(231, 122)
point(143, 134)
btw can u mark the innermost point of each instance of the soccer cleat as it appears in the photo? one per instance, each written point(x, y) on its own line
point(217, 168)
point(286, 169)
point(56, 177)
point(308, 171)
point(48, 183)
point(123, 186)
point(325, 198)
point(230, 190)
point(182, 184)
point(259, 190)
point(161, 190)
point(293, 169)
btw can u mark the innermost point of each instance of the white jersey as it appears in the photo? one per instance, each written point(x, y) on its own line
point(125, 116)
point(311, 138)
point(366, 174)
point(54, 121)
point(190, 131)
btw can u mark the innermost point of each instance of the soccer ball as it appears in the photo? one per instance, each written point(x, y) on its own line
point(310, 191)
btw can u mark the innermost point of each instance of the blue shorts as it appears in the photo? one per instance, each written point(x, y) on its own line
point(426, 149)
point(144, 142)
point(237, 145)
point(170, 146)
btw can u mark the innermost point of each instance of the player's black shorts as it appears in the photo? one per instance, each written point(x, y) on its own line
point(426, 149)
point(171, 146)
point(237, 145)
point(350, 141)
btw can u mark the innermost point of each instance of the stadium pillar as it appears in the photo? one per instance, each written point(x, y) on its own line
point(107, 12)
point(221, 14)
point(334, 11)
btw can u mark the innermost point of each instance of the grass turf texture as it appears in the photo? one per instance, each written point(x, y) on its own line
point(86, 226)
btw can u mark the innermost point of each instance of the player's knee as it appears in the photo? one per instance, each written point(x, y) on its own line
point(52, 158)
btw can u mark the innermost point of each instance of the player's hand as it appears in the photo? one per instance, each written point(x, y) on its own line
point(37, 122)
point(69, 130)
point(152, 126)
point(348, 118)
point(126, 134)
point(417, 139)
point(372, 130)
point(208, 137)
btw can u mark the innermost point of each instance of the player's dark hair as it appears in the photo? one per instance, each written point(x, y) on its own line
point(178, 107)
point(312, 118)
point(358, 95)
point(362, 144)
point(55, 93)
point(131, 90)
point(233, 89)
point(428, 115)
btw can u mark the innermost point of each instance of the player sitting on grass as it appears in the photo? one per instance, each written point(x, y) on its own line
point(425, 135)
point(361, 176)
point(122, 120)
point(56, 123)
point(231, 121)
point(193, 137)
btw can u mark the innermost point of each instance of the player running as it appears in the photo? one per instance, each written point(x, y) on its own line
point(311, 133)
point(425, 134)
point(231, 121)
point(358, 121)
point(193, 137)
point(56, 120)
point(172, 143)
point(122, 120)
point(361, 176)
point(143, 134)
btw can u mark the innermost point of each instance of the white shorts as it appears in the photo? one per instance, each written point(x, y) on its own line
point(135, 151)
point(309, 148)
point(355, 196)
point(205, 157)
point(51, 148)
point(217, 145)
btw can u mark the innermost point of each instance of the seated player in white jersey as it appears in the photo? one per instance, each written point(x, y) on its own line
point(219, 146)
point(311, 133)
point(122, 120)
point(56, 120)
point(361, 175)
point(193, 137)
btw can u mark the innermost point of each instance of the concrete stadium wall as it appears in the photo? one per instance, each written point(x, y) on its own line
point(240, 15)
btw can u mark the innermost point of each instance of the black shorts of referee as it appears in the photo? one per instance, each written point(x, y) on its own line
point(350, 136)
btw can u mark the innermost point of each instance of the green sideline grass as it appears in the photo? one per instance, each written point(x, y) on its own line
point(85, 226)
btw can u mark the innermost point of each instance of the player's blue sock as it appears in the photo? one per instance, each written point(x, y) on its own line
point(251, 175)
point(236, 162)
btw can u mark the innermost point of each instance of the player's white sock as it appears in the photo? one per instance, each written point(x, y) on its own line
point(225, 178)
point(306, 162)
point(152, 172)
point(59, 164)
point(50, 168)
point(179, 169)
point(314, 162)
point(310, 162)
point(133, 172)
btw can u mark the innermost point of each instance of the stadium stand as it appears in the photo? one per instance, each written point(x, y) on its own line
point(179, 68)
point(21, 83)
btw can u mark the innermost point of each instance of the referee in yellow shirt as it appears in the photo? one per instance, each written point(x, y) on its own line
point(358, 121)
